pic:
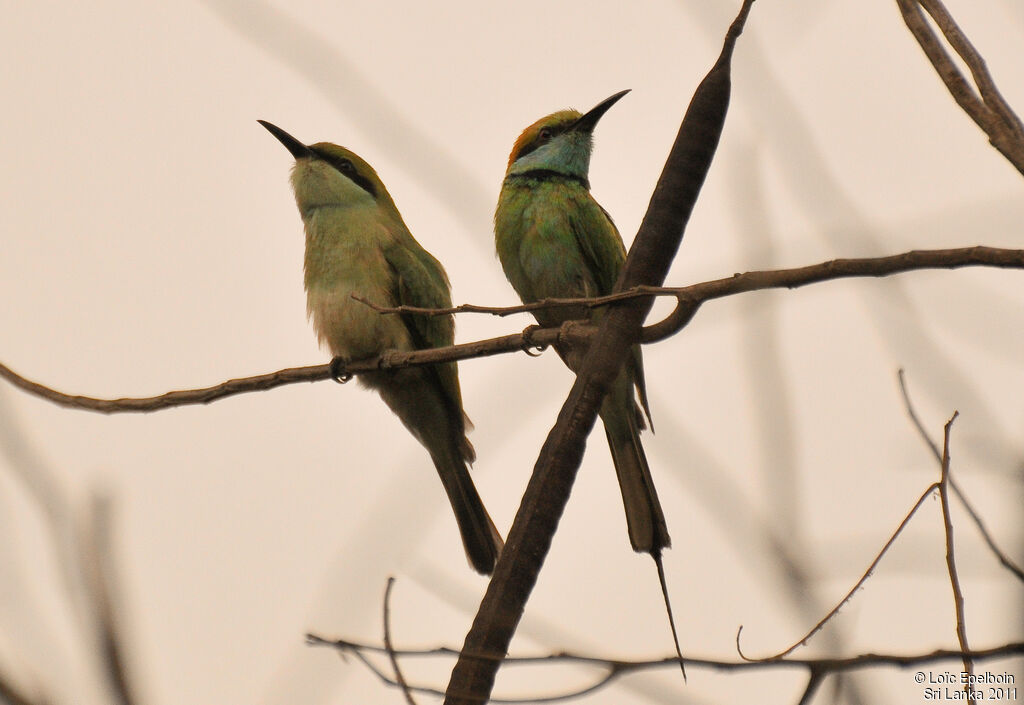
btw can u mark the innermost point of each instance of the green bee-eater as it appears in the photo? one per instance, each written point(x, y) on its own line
point(555, 240)
point(358, 244)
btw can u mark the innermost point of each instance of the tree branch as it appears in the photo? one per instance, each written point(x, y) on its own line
point(547, 492)
point(615, 668)
point(954, 578)
point(1000, 555)
point(399, 678)
point(986, 106)
point(846, 598)
point(689, 297)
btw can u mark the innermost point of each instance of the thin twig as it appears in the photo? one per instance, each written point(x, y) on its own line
point(399, 678)
point(1000, 555)
point(615, 668)
point(758, 280)
point(954, 578)
point(871, 569)
point(689, 297)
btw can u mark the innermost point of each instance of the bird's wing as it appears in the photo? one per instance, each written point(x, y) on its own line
point(602, 247)
point(599, 242)
point(420, 281)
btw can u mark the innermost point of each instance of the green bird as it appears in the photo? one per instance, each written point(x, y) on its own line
point(357, 244)
point(555, 241)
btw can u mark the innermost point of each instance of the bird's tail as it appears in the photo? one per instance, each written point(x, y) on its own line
point(648, 532)
point(480, 537)
point(645, 519)
point(417, 398)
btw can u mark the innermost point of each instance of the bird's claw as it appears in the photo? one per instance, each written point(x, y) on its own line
point(337, 370)
point(530, 348)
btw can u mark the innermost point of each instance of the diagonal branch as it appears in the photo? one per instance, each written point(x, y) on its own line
point(986, 106)
point(547, 493)
point(849, 595)
point(1000, 555)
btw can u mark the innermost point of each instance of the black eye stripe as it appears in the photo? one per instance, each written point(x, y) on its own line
point(539, 140)
point(347, 169)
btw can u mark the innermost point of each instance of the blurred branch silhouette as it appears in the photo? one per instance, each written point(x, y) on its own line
point(689, 300)
point(340, 80)
point(14, 695)
point(93, 592)
point(102, 585)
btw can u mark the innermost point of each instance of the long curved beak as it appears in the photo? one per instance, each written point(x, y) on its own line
point(297, 149)
point(589, 120)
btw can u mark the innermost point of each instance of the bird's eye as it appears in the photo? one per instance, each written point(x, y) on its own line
point(346, 167)
point(545, 133)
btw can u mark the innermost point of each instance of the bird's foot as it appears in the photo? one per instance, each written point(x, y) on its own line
point(529, 347)
point(337, 370)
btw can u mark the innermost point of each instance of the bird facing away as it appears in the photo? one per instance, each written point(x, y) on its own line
point(555, 241)
point(358, 244)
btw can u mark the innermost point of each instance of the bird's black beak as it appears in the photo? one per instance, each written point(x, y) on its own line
point(297, 149)
point(589, 120)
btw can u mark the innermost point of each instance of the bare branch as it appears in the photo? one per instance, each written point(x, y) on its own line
point(690, 298)
point(1000, 555)
point(986, 106)
point(554, 473)
point(615, 668)
point(758, 280)
point(399, 678)
point(871, 569)
point(313, 373)
point(954, 578)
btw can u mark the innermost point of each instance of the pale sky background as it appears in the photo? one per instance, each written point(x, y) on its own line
point(150, 242)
